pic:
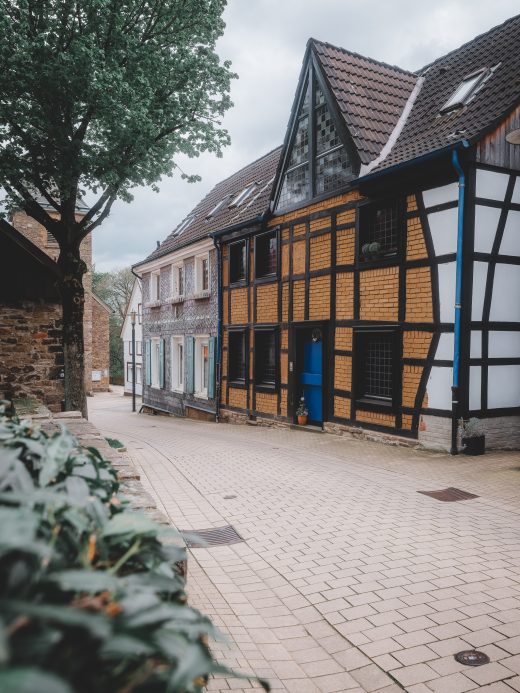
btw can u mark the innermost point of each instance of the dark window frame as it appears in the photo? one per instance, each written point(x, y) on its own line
point(370, 402)
point(232, 378)
point(233, 280)
point(364, 217)
point(260, 384)
point(259, 238)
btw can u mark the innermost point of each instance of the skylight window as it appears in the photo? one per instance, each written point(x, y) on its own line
point(217, 207)
point(183, 225)
point(243, 195)
point(463, 92)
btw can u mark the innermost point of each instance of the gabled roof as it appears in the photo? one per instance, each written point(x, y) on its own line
point(261, 171)
point(370, 95)
point(427, 130)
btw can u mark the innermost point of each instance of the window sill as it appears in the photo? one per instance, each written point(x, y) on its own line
point(177, 391)
point(237, 283)
point(371, 404)
point(202, 294)
point(379, 262)
point(200, 395)
point(266, 278)
point(264, 387)
point(153, 304)
point(176, 299)
point(239, 384)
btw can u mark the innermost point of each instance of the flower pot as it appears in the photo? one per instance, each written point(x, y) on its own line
point(474, 446)
point(302, 420)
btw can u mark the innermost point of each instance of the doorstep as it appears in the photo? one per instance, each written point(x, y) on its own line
point(309, 428)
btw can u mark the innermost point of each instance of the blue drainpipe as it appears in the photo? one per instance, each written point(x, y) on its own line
point(458, 298)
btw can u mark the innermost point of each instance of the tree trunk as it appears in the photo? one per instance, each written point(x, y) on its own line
point(73, 302)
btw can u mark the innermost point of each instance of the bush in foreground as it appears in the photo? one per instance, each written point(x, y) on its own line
point(91, 594)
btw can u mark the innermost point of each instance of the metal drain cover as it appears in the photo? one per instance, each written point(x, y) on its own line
point(472, 658)
point(449, 495)
point(216, 536)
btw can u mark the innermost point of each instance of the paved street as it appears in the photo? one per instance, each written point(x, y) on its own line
point(348, 578)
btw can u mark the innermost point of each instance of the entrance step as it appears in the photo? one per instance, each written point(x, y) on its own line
point(309, 428)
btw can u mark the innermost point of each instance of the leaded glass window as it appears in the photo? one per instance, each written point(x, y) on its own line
point(265, 358)
point(327, 167)
point(380, 227)
point(376, 358)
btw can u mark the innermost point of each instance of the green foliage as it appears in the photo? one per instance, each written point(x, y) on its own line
point(114, 443)
point(92, 597)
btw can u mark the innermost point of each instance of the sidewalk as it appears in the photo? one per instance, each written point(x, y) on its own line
point(348, 578)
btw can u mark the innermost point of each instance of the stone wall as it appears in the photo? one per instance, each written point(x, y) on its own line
point(31, 363)
point(100, 345)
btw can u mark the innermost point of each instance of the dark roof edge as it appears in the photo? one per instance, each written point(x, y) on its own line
point(30, 248)
point(381, 63)
point(412, 162)
point(466, 43)
point(241, 225)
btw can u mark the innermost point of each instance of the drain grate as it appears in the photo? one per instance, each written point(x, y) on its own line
point(449, 495)
point(216, 536)
point(472, 658)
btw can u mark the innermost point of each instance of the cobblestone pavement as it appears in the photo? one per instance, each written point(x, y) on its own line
point(348, 578)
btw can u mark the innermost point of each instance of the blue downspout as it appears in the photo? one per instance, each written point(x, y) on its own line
point(458, 299)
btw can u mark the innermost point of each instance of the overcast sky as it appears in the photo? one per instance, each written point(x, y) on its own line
point(265, 40)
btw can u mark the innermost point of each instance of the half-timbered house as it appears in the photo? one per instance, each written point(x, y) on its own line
point(384, 285)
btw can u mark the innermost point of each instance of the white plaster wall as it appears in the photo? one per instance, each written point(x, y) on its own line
point(479, 288)
point(438, 388)
point(503, 386)
point(505, 302)
point(475, 350)
point(486, 223)
point(475, 394)
point(516, 191)
point(504, 344)
point(447, 272)
point(445, 347)
point(440, 195)
point(491, 184)
point(443, 228)
point(510, 244)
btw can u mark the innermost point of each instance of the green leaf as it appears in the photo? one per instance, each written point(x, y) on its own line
point(127, 646)
point(131, 524)
point(91, 581)
point(96, 624)
point(30, 680)
point(57, 452)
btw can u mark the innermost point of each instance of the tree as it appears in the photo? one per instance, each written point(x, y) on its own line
point(115, 289)
point(97, 97)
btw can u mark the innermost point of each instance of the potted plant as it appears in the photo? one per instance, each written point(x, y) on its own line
point(473, 438)
point(302, 412)
point(371, 251)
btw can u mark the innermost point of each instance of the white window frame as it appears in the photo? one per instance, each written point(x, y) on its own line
point(200, 292)
point(243, 195)
point(155, 361)
point(201, 341)
point(138, 374)
point(177, 368)
point(464, 91)
point(155, 288)
point(176, 268)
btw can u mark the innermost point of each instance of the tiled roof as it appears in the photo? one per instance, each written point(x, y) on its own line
point(370, 95)
point(261, 171)
point(426, 130)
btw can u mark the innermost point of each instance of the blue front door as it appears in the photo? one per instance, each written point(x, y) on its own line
point(312, 379)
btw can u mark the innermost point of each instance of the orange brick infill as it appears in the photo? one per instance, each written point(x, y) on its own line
point(344, 296)
point(298, 300)
point(379, 294)
point(298, 257)
point(284, 339)
point(319, 224)
point(284, 367)
point(373, 417)
point(411, 379)
point(415, 243)
point(345, 242)
point(330, 203)
point(419, 307)
point(285, 301)
point(237, 398)
point(238, 306)
point(319, 248)
point(319, 298)
point(267, 303)
point(266, 403)
point(285, 261)
point(299, 230)
point(343, 338)
point(411, 203)
point(342, 372)
point(342, 407)
point(406, 422)
point(283, 402)
point(346, 217)
point(416, 344)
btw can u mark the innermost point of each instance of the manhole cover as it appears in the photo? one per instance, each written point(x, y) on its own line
point(472, 658)
point(216, 536)
point(449, 495)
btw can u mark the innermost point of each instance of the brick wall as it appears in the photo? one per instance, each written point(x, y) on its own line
point(379, 294)
point(32, 352)
point(267, 303)
point(100, 345)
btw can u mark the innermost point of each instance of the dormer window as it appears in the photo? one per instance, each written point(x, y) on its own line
point(243, 195)
point(464, 91)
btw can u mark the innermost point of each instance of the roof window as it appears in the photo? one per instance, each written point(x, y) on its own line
point(463, 92)
point(217, 207)
point(243, 195)
point(183, 225)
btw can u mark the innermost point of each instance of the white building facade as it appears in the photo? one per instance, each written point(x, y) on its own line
point(134, 305)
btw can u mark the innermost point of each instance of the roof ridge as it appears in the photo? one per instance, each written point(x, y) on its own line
point(467, 43)
point(364, 57)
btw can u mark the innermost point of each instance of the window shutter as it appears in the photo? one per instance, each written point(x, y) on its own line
point(190, 365)
point(211, 366)
point(161, 363)
point(148, 344)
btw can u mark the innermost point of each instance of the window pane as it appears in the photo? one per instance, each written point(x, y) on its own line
point(205, 275)
point(237, 356)
point(332, 170)
point(379, 231)
point(326, 134)
point(300, 150)
point(180, 365)
point(295, 186)
point(181, 281)
point(463, 91)
point(266, 254)
point(265, 358)
point(237, 261)
point(377, 366)
point(205, 366)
